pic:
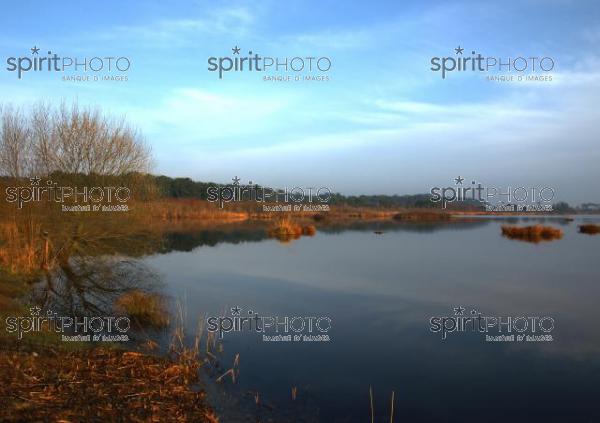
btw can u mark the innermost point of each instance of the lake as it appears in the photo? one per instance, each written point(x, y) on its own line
point(380, 292)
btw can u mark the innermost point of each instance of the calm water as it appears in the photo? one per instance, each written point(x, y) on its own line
point(380, 292)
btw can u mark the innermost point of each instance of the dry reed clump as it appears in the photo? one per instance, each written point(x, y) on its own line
point(589, 229)
point(146, 309)
point(286, 230)
point(535, 233)
point(98, 384)
point(20, 246)
point(309, 230)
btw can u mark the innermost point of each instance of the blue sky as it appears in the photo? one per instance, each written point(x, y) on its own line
point(383, 123)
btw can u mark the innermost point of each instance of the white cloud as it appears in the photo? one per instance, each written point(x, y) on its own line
point(193, 115)
point(232, 21)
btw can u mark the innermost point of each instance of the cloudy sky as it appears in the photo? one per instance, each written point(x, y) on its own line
point(383, 123)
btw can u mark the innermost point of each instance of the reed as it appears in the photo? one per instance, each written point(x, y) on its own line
point(21, 246)
point(535, 233)
point(309, 230)
point(191, 209)
point(372, 409)
point(392, 409)
point(146, 309)
point(57, 384)
point(234, 371)
point(589, 229)
point(287, 230)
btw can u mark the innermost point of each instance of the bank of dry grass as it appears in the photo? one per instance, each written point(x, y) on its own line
point(98, 384)
point(183, 209)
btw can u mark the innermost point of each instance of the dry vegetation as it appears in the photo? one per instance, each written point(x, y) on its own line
point(589, 229)
point(422, 215)
point(145, 309)
point(188, 209)
point(535, 233)
point(286, 230)
point(98, 384)
point(20, 246)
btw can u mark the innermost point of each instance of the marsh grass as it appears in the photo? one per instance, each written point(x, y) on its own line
point(422, 215)
point(535, 233)
point(309, 230)
point(146, 309)
point(286, 230)
point(589, 229)
point(20, 246)
point(190, 209)
point(97, 384)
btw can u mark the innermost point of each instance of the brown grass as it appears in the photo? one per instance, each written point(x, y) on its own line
point(147, 309)
point(287, 230)
point(589, 229)
point(179, 209)
point(535, 233)
point(422, 215)
point(98, 384)
point(20, 246)
point(309, 230)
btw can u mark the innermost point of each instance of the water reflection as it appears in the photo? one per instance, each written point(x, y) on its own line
point(86, 286)
point(380, 291)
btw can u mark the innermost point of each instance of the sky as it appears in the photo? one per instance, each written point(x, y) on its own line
point(384, 122)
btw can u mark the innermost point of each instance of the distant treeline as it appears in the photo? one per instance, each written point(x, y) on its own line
point(148, 187)
point(187, 188)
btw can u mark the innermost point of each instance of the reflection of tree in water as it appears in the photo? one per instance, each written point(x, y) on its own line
point(84, 276)
point(188, 241)
point(258, 231)
point(393, 226)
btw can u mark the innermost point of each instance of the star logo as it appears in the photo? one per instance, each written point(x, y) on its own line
point(35, 50)
point(236, 50)
point(459, 311)
point(35, 180)
point(235, 311)
point(35, 311)
point(236, 180)
point(459, 180)
point(459, 50)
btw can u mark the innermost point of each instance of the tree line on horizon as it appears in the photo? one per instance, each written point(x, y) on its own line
point(77, 145)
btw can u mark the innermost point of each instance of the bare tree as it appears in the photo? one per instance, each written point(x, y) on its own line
point(42, 144)
point(15, 143)
point(69, 139)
